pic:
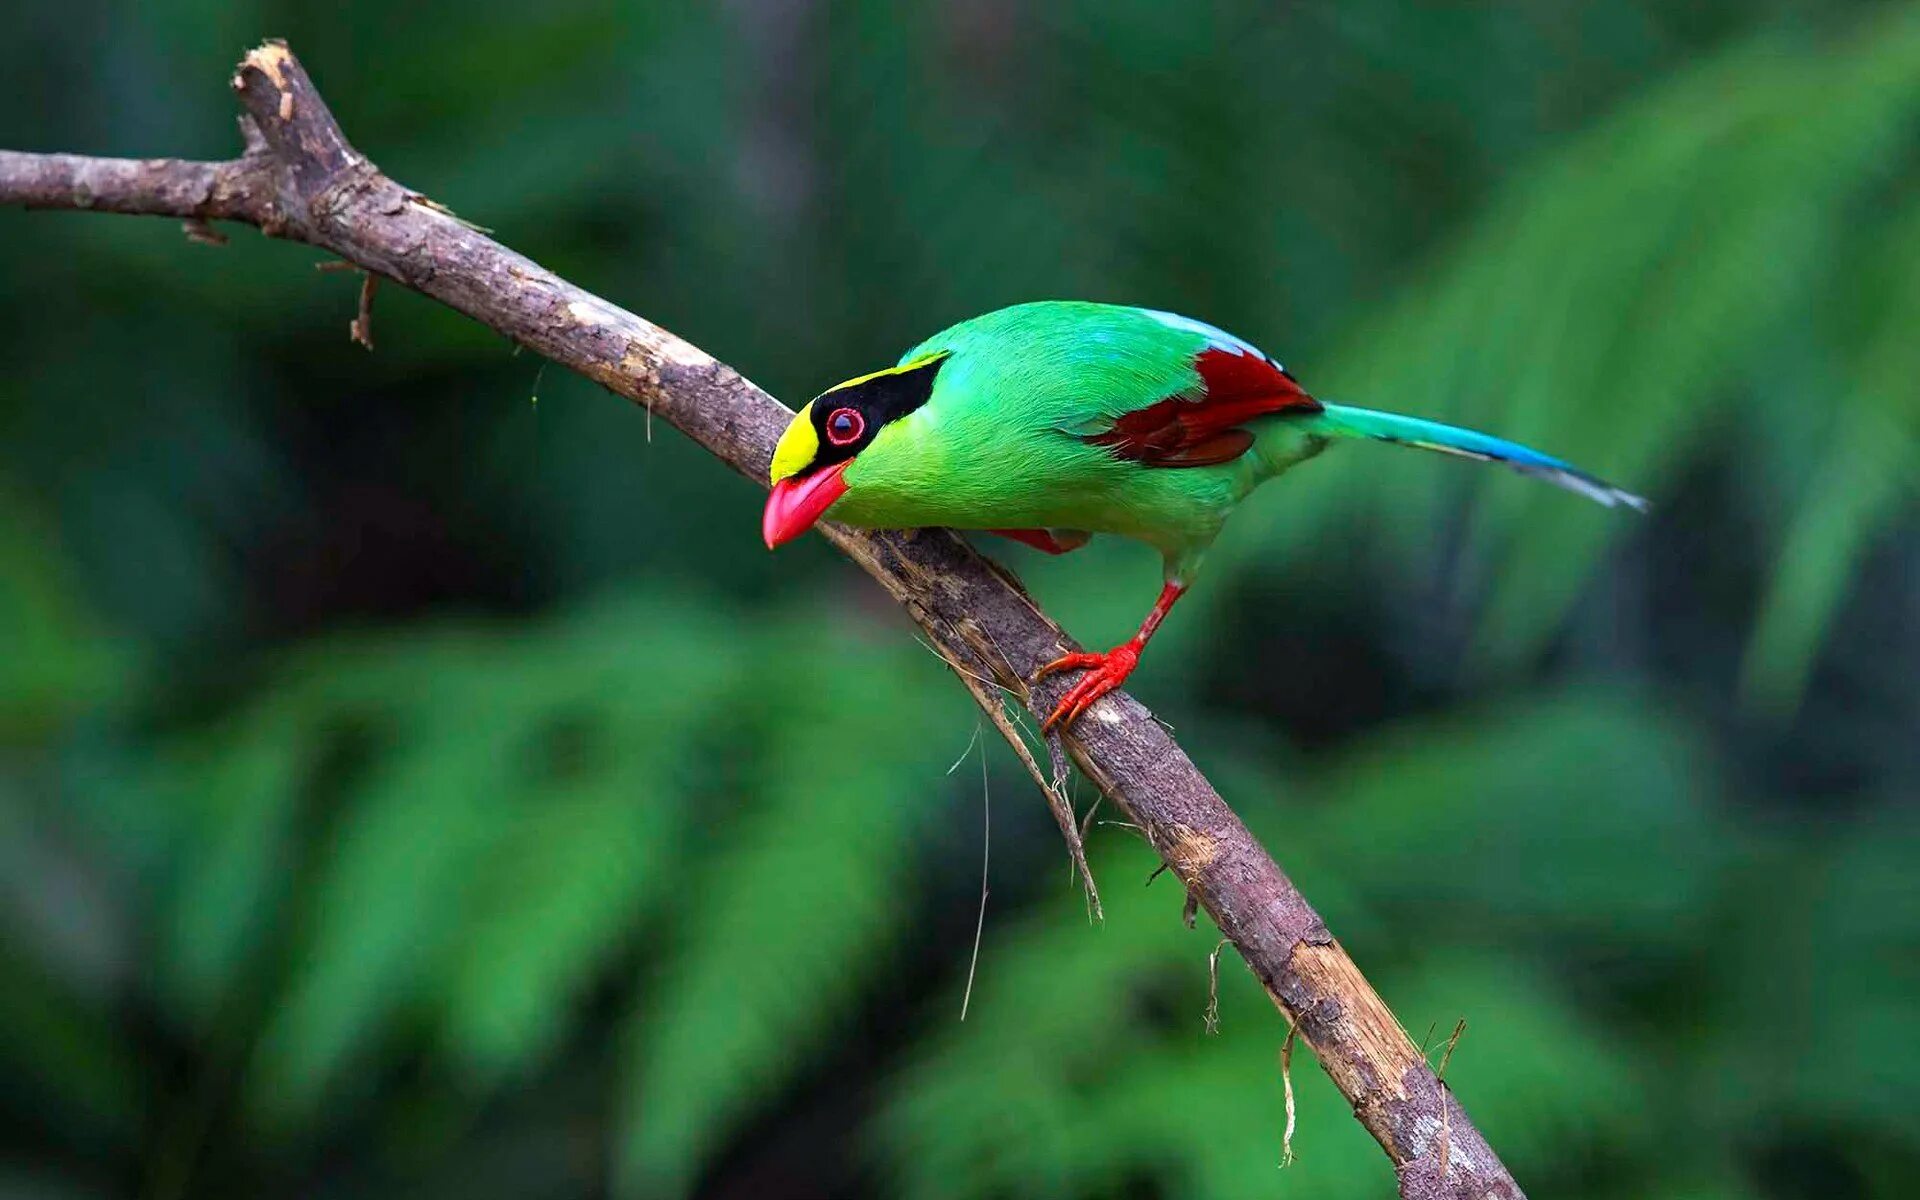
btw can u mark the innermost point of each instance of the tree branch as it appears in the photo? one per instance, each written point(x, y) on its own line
point(160, 187)
point(300, 179)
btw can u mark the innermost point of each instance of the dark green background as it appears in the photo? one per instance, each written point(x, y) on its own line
point(415, 779)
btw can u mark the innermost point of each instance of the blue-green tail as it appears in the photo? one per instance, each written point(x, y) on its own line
point(1341, 421)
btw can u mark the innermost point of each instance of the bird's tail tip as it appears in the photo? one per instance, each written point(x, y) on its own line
point(1598, 490)
point(1422, 434)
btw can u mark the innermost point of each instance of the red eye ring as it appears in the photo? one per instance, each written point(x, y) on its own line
point(844, 426)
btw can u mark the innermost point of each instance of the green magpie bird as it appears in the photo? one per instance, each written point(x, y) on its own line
point(1056, 420)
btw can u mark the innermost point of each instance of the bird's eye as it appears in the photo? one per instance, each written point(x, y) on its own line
point(844, 426)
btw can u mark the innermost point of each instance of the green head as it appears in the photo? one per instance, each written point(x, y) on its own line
point(829, 433)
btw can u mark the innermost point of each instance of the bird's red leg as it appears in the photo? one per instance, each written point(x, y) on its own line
point(1105, 672)
point(1042, 539)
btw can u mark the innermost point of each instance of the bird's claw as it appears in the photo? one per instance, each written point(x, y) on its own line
point(1104, 673)
point(1070, 662)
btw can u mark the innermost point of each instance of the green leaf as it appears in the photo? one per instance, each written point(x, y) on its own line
point(1865, 478)
point(389, 898)
point(793, 912)
point(57, 658)
point(1576, 813)
point(238, 793)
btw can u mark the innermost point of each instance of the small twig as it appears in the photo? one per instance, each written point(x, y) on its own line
point(1459, 1028)
point(443, 210)
point(361, 328)
point(1190, 911)
point(986, 846)
point(202, 234)
point(1211, 1017)
point(1286, 1089)
point(956, 667)
point(966, 750)
point(988, 695)
point(1446, 1107)
point(1086, 822)
point(1063, 815)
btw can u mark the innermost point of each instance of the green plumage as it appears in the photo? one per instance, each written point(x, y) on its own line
point(1005, 438)
point(1051, 421)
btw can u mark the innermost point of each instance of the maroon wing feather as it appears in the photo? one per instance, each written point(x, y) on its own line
point(1202, 429)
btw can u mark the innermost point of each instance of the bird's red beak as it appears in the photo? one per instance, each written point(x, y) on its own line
point(797, 502)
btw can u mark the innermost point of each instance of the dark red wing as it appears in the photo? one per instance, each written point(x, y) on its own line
point(1190, 430)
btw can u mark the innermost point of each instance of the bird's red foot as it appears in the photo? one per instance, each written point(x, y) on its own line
point(1052, 541)
point(1104, 673)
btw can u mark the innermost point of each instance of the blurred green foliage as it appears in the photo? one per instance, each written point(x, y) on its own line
point(414, 778)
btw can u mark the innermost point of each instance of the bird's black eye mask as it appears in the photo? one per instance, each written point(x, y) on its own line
point(847, 417)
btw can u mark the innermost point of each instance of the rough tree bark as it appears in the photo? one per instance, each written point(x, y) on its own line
point(300, 179)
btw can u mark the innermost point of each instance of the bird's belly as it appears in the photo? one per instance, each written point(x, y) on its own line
point(1167, 508)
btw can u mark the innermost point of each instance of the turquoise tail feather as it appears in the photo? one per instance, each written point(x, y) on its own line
point(1339, 420)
